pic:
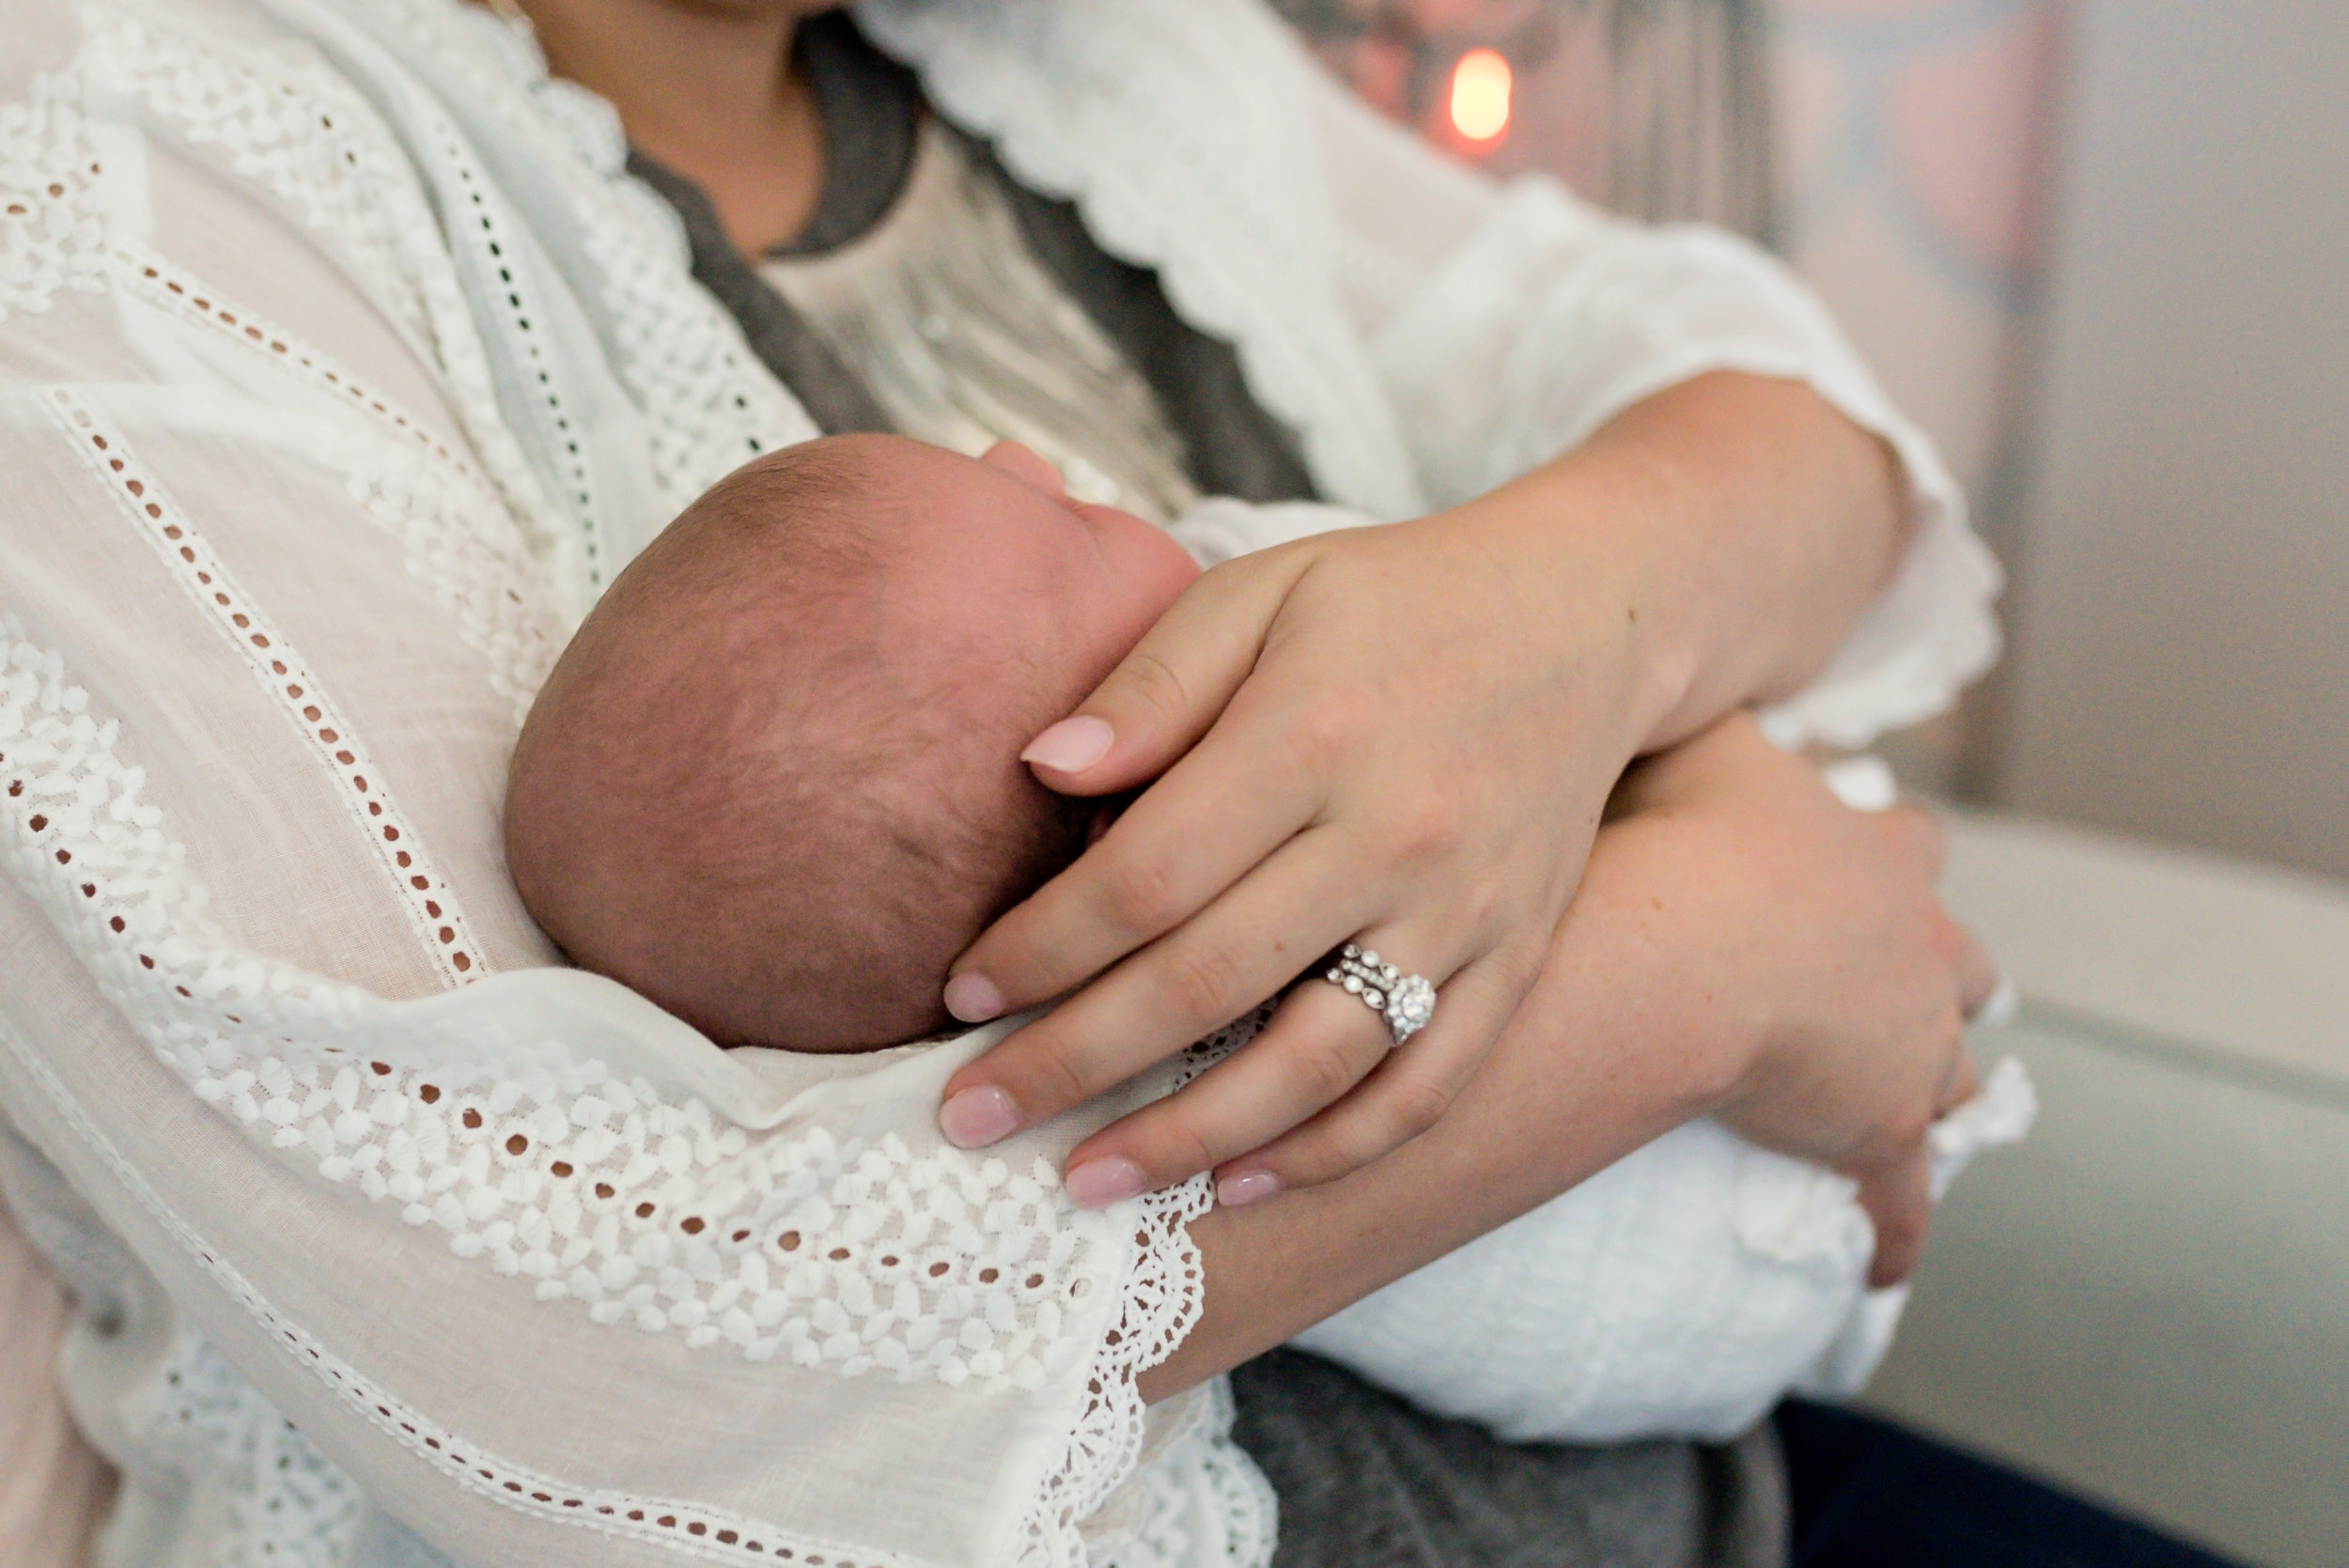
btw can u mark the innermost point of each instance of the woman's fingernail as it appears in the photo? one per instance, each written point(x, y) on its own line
point(1073, 745)
point(1249, 1186)
point(978, 1116)
point(973, 997)
point(1098, 1182)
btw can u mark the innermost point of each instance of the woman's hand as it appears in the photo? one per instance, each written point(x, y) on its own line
point(1843, 987)
point(1402, 737)
point(1743, 944)
point(1395, 736)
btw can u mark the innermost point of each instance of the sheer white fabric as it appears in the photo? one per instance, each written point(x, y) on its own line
point(340, 365)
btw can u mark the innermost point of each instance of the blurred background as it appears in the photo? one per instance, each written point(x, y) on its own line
point(2101, 249)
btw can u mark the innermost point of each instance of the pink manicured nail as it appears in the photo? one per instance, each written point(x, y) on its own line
point(973, 998)
point(978, 1116)
point(1249, 1186)
point(1073, 745)
point(1098, 1182)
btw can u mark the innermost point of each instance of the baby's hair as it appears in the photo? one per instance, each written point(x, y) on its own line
point(733, 798)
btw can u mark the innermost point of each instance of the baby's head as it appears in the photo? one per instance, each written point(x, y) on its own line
point(774, 784)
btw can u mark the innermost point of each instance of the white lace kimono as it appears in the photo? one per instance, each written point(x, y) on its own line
point(340, 366)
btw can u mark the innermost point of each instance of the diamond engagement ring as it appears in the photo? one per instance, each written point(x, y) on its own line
point(1406, 1001)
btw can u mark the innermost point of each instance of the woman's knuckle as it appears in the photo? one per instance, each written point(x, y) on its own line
point(1326, 735)
point(1355, 1144)
point(1424, 832)
point(1323, 1069)
point(1484, 905)
point(1177, 1150)
point(1050, 1079)
point(1309, 1161)
point(1515, 966)
point(1151, 684)
point(1204, 982)
point(1413, 1106)
point(1141, 892)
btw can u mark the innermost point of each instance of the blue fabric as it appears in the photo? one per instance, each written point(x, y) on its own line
point(1868, 1494)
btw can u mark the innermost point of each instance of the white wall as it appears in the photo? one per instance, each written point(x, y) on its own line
point(2181, 666)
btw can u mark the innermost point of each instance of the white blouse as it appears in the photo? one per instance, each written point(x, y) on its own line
point(340, 366)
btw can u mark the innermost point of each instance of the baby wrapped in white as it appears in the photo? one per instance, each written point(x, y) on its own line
point(1681, 1292)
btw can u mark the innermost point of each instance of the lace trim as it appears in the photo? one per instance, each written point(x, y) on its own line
point(52, 230)
point(432, 910)
point(349, 1111)
point(1166, 1289)
point(687, 1527)
point(710, 404)
point(489, 242)
point(286, 1504)
point(1140, 114)
point(1204, 1501)
point(459, 542)
point(303, 135)
point(1167, 1293)
point(296, 132)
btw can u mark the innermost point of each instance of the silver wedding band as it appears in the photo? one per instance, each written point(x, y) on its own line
point(1406, 1001)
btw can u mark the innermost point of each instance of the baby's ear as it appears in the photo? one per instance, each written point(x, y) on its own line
point(1025, 463)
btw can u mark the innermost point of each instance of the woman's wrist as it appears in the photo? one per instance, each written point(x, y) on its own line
point(1733, 527)
point(1576, 541)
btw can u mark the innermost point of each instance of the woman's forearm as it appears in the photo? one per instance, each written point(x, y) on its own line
point(1612, 1049)
point(1745, 525)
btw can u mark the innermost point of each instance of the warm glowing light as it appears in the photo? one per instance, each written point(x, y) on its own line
point(1480, 95)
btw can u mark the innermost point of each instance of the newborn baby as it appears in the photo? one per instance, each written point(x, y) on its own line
point(773, 784)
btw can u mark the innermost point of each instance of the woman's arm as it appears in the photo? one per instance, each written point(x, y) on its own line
point(1741, 519)
point(1428, 717)
point(1666, 486)
point(1743, 945)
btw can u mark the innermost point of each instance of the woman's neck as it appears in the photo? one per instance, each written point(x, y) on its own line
point(705, 90)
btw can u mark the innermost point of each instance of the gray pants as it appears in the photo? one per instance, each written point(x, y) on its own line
point(1368, 1481)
